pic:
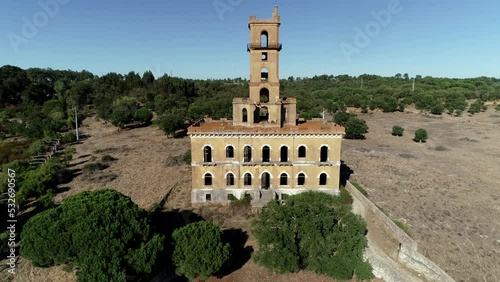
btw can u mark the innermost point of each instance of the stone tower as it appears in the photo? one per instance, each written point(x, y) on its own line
point(264, 108)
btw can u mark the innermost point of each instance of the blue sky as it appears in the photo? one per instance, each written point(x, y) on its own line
point(192, 39)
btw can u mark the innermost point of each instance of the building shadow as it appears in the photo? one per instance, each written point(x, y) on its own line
point(345, 173)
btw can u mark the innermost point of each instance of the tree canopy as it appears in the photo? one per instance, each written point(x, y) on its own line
point(199, 251)
point(312, 231)
point(103, 233)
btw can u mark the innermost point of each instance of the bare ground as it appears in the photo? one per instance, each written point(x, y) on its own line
point(449, 196)
point(445, 189)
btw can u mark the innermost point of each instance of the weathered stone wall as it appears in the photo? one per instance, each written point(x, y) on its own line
point(408, 253)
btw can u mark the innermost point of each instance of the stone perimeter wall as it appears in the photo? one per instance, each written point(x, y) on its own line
point(408, 253)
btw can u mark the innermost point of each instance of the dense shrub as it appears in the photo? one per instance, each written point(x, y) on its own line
point(198, 250)
point(397, 130)
point(313, 232)
point(69, 137)
point(245, 200)
point(39, 181)
point(171, 121)
point(15, 150)
point(420, 135)
point(476, 107)
point(187, 157)
point(143, 115)
point(103, 233)
point(38, 147)
point(356, 128)
point(123, 112)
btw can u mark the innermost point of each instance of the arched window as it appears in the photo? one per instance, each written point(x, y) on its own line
point(284, 154)
point(264, 74)
point(264, 39)
point(301, 179)
point(208, 179)
point(264, 95)
point(247, 154)
point(244, 115)
point(323, 178)
point(302, 151)
point(265, 181)
point(266, 154)
point(283, 179)
point(247, 179)
point(230, 179)
point(324, 154)
point(229, 152)
point(207, 154)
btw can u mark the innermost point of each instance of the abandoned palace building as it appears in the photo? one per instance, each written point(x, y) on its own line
point(264, 151)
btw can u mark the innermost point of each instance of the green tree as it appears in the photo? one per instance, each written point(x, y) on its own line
point(397, 130)
point(420, 135)
point(123, 111)
point(342, 117)
point(312, 231)
point(356, 128)
point(437, 109)
point(102, 232)
point(476, 107)
point(172, 121)
point(199, 251)
point(143, 115)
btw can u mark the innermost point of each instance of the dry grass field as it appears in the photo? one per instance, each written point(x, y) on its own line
point(445, 189)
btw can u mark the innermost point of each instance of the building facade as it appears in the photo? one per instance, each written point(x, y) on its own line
point(264, 151)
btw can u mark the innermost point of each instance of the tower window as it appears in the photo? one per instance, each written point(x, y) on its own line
point(301, 179)
point(244, 115)
point(284, 154)
point(323, 179)
point(207, 154)
point(324, 154)
point(264, 56)
point(247, 179)
point(283, 179)
point(208, 197)
point(230, 179)
point(264, 37)
point(208, 179)
point(302, 151)
point(266, 154)
point(247, 154)
point(264, 95)
point(264, 74)
point(229, 152)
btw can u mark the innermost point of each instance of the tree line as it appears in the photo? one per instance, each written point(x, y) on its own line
point(40, 103)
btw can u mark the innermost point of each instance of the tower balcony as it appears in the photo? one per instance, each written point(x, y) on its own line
point(256, 46)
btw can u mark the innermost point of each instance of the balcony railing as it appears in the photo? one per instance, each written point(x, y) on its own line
point(255, 46)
